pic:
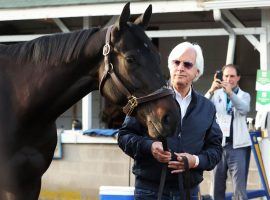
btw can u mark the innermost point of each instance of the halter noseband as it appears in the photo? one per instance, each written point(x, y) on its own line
point(133, 101)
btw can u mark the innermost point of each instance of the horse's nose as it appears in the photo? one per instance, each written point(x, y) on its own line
point(169, 123)
point(166, 120)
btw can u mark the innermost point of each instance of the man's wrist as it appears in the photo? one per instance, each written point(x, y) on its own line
point(211, 92)
point(197, 161)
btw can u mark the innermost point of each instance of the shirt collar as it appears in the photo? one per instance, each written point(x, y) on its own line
point(235, 90)
point(178, 95)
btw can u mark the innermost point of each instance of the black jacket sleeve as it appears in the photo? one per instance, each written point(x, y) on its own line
point(133, 139)
point(212, 150)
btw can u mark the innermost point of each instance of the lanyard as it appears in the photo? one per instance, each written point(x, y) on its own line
point(228, 105)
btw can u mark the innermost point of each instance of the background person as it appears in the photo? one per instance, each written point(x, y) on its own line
point(232, 105)
point(199, 137)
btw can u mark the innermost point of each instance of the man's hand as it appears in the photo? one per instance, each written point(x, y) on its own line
point(178, 165)
point(159, 154)
point(216, 84)
point(227, 88)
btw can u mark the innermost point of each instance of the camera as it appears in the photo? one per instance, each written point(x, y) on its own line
point(219, 75)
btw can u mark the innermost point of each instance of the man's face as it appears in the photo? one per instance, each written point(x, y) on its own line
point(184, 69)
point(230, 76)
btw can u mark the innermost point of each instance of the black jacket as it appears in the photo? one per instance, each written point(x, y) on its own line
point(199, 135)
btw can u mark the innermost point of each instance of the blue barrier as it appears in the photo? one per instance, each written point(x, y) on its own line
point(116, 193)
point(265, 191)
point(250, 193)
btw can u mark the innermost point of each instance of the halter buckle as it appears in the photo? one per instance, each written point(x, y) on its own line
point(131, 104)
point(106, 49)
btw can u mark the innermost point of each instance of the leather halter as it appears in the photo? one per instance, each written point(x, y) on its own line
point(132, 101)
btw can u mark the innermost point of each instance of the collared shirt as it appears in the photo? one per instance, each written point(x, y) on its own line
point(183, 101)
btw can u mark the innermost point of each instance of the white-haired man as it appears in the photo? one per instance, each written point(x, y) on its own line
point(198, 138)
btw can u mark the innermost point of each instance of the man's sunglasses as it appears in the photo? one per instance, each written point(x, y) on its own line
point(186, 64)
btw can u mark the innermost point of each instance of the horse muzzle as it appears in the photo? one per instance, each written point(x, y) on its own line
point(163, 117)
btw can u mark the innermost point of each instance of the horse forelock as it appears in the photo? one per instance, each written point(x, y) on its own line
point(139, 33)
point(140, 38)
point(52, 50)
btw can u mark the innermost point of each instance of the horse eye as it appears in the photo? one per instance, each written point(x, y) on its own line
point(130, 59)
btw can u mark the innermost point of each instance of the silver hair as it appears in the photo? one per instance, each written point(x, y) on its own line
point(180, 49)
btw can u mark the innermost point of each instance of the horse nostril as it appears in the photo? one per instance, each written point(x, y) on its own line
point(166, 120)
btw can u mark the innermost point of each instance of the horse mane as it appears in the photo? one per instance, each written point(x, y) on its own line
point(52, 49)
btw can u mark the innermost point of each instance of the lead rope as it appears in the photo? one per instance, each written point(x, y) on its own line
point(185, 180)
point(163, 172)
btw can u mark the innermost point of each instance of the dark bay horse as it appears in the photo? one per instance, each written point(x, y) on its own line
point(42, 78)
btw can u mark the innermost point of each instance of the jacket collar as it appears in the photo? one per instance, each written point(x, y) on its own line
point(194, 97)
point(194, 100)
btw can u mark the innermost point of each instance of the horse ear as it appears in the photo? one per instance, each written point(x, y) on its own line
point(144, 19)
point(124, 17)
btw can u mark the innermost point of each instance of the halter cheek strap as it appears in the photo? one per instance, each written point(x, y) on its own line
point(106, 54)
point(132, 101)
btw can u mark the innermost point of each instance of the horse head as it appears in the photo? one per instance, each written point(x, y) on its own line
point(131, 75)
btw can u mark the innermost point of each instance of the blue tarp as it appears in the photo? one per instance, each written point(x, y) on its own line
point(101, 132)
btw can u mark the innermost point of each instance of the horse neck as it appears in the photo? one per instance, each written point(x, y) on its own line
point(89, 64)
point(67, 82)
point(93, 49)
